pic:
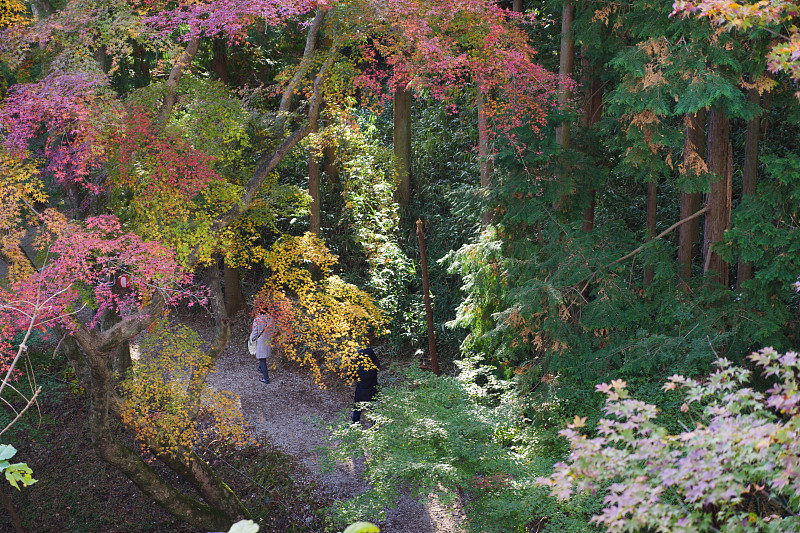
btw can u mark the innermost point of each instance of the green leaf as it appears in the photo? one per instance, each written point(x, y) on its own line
point(7, 451)
point(19, 472)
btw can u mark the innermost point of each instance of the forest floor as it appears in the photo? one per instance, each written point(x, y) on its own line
point(293, 413)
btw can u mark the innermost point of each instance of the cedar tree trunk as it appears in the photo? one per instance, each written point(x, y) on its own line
point(693, 154)
point(652, 207)
point(593, 110)
point(718, 217)
point(566, 67)
point(749, 178)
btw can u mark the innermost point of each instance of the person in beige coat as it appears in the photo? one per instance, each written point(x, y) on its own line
point(262, 335)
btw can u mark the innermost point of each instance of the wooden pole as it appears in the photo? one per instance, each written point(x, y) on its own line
point(426, 292)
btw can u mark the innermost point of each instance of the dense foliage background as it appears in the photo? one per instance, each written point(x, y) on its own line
point(609, 193)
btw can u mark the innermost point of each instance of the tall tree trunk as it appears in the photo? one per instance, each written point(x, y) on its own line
point(329, 164)
point(141, 65)
point(593, 110)
point(749, 177)
point(402, 144)
point(220, 61)
point(566, 68)
point(693, 153)
point(234, 299)
point(423, 259)
point(314, 187)
point(718, 217)
point(652, 217)
point(517, 6)
point(484, 152)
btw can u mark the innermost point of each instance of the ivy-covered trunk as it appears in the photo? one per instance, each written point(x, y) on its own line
point(402, 144)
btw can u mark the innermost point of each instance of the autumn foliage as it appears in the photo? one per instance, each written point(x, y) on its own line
point(81, 264)
point(168, 401)
point(321, 320)
point(734, 469)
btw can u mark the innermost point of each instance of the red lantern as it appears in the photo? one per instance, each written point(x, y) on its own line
point(124, 281)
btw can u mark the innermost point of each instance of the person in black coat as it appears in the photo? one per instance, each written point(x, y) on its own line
point(366, 379)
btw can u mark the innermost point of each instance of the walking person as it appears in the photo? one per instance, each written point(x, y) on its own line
point(261, 335)
point(367, 366)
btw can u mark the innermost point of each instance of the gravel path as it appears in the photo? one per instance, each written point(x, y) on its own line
point(292, 412)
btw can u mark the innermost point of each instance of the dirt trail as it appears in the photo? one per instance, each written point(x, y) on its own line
point(292, 412)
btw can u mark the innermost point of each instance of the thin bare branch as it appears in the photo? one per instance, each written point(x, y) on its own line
point(645, 245)
point(659, 236)
point(27, 406)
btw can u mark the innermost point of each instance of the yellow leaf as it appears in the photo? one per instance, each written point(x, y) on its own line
point(362, 527)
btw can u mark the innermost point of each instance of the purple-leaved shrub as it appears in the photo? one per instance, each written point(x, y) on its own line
point(736, 470)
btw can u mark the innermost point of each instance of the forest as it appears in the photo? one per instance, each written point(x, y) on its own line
point(570, 231)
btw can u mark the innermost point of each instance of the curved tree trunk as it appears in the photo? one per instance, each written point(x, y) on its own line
point(208, 484)
point(126, 460)
point(94, 352)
